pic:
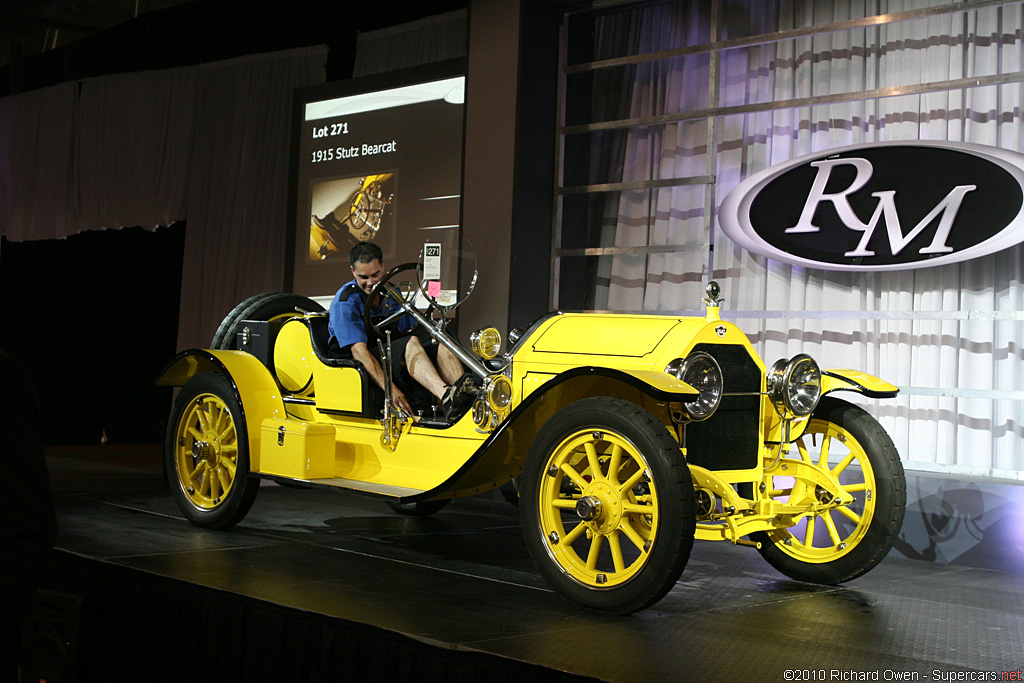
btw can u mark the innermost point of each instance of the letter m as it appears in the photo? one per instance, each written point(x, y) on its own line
point(947, 208)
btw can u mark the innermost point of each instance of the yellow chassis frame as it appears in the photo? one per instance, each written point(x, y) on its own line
point(763, 513)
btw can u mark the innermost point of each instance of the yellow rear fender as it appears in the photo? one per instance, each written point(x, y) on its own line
point(843, 379)
point(255, 388)
point(502, 454)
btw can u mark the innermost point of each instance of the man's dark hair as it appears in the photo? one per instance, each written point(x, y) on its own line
point(365, 252)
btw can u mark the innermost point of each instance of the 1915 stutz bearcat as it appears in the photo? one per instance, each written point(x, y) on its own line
point(628, 436)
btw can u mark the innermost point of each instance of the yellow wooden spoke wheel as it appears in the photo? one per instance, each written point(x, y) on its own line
point(607, 505)
point(830, 544)
point(591, 511)
point(207, 453)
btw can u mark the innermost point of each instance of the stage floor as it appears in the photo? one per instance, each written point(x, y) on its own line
point(462, 580)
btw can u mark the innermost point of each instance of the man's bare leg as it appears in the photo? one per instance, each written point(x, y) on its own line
point(449, 365)
point(454, 395)
point(422, 370)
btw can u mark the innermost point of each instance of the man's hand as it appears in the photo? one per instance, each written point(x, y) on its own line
point(362, 354)
point(399, 399)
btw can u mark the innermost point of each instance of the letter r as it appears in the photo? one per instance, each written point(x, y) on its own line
point(838, 199)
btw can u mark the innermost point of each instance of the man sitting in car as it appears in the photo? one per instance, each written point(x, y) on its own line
point(410, 361)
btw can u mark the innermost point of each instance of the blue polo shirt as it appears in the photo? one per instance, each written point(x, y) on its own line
point(345, 317)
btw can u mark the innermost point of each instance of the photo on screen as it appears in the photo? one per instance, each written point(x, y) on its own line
point(379, 159)
point(348, 211)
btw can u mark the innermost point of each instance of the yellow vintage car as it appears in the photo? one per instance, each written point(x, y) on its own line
point(628, 436)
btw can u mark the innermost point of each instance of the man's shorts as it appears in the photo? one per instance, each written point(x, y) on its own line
point(399, 372)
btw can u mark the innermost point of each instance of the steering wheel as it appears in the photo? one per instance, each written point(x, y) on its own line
point(386, 293)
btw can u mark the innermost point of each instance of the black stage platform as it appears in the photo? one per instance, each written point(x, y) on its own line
point(315, 585)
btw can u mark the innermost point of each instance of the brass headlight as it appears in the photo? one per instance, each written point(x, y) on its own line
point(499, 392)
point(486, 343)
point(794, 385)
point(701, 371)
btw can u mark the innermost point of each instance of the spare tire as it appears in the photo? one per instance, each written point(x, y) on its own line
point(267, 306)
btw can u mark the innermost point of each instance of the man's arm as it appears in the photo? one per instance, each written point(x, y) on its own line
point(362, 354)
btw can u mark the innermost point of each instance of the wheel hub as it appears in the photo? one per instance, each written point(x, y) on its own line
point(705, 502)
point(588, 508)
point(600, 507)
point(203, 451)
point(823, 496)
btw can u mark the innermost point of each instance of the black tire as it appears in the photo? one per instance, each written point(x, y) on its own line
point(861, 544)
point(266, 306)
point(209, 477)
point(424, 509)
point(651, 543)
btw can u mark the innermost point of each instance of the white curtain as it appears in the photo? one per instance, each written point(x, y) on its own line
point(949, 336)
point(661, 216)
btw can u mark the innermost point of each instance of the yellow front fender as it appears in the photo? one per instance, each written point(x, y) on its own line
point(844, 379)
point(255, 388)
point(832, 379)
point(502, 454)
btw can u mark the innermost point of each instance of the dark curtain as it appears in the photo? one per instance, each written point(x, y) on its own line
point(93, 319)
point(431, 39)
point(208, 144)
point(237, 191)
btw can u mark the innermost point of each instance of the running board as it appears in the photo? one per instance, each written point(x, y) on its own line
point(365, 487)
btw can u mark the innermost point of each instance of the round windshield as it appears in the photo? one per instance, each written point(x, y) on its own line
point(447, 268)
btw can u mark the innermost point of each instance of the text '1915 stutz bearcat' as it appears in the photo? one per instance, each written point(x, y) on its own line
point(626, 436)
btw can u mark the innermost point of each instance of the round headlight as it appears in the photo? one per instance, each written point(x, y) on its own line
point(794, 385)
point(701, 371)
point(499, 392)
point(486, 342)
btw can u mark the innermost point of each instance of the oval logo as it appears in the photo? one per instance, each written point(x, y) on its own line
point(881, 206)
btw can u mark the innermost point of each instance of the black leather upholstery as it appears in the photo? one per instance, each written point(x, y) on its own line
point(331, 355)
point(328, 351)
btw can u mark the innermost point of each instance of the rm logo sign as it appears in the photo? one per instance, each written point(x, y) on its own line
point(883, 206)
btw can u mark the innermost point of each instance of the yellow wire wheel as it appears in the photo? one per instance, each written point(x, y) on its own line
point(206, 453)
point(609, 509)
point(832, 544)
